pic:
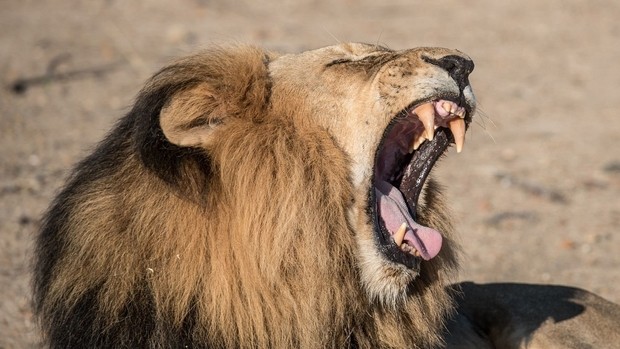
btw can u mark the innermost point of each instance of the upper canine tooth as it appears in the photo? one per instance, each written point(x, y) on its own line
point(426, 114)
point(457, 126)
point(399, 236)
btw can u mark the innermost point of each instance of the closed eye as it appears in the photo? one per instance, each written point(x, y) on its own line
point(369, 63)
point(337, 61)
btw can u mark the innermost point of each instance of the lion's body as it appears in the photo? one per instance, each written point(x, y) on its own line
point(245, 238)
point(528, 316)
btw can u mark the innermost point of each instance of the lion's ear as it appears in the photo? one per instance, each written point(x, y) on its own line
point(220, 84)
point(191, 116)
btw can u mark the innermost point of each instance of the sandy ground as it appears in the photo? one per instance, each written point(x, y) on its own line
point(535, 192)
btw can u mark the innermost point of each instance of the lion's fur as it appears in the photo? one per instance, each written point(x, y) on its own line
point(247, 231)
point(518, 315)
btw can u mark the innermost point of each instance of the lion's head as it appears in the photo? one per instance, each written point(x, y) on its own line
point(257, 199)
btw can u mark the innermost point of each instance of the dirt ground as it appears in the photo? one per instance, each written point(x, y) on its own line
point(535, 191)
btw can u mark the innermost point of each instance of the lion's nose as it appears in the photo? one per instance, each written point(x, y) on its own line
point(457, 67)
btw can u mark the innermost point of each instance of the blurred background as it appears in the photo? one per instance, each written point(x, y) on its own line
point(534, 193)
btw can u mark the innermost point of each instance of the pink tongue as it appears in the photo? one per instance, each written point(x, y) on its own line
point(394, 212)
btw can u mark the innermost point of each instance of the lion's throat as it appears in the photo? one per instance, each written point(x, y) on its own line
point(394, 212)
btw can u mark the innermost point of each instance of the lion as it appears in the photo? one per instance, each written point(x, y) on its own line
point(519, 316)
point(252, 199)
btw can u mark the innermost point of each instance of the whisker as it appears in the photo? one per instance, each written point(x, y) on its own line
point(338, 41)
point(379, 38)
point(482, 122)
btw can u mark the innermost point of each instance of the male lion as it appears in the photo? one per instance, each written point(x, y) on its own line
point(257, 200)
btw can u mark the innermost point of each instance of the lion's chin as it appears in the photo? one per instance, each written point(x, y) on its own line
point(385, 282)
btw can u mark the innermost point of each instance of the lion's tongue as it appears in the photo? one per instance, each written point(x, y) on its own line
point(393, 210)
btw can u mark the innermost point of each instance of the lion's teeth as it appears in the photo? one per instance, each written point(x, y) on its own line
point(426, 114)
point(449, 107)
point(457, 126)
point(460, 112)
point(417, 142)
point(410, 249)
point(400, 234)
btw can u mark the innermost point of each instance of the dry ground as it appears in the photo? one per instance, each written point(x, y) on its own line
point(535, 191)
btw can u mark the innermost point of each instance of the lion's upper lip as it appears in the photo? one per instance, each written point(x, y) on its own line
point(410, 147)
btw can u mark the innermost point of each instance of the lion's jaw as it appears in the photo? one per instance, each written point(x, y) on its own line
point(381, 86)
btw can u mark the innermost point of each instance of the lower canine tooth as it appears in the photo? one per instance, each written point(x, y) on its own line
point(400, 234)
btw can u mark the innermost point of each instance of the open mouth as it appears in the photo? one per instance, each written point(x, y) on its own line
point(411, 145)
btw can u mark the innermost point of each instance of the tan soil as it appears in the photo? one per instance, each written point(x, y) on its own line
point(535, 191)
